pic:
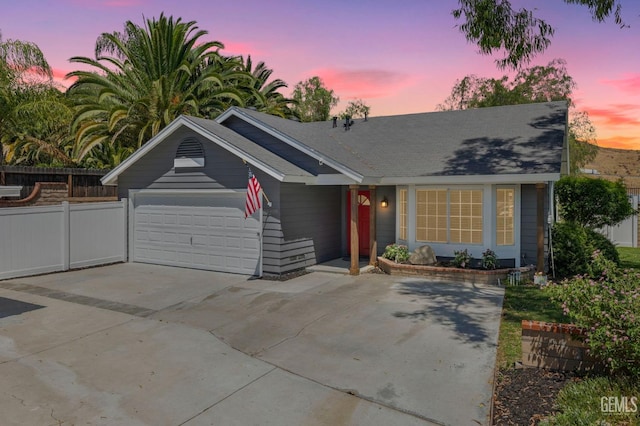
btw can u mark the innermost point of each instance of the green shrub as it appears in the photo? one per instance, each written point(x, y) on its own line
point(608, 307)
point(397, 252)
point(573, 246)
point(592, 202)
point(489, 259)
point(461, 258)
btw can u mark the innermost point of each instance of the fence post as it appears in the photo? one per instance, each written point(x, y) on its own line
point(130, 223)
point(125, 218)
point(634, 222)
point(66, 236)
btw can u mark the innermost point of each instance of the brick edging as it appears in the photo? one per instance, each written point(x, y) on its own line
point(553, 327)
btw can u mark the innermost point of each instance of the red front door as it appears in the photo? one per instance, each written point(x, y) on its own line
point(364, 204)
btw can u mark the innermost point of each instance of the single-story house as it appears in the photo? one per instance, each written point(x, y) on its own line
point(472, 179)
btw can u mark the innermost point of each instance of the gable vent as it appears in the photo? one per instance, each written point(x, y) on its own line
point(189, 154)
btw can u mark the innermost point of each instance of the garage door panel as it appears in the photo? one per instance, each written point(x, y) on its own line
point(195, 232)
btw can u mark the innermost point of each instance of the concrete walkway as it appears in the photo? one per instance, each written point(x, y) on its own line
point(134, 344)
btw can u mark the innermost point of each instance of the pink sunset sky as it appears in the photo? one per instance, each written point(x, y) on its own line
point(398, 57)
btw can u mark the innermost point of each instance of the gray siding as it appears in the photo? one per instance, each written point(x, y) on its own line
point(300, 231)
point(386, 226)
point(310, 226)
point(155, 170)
point(278, 147)
point(529, 225)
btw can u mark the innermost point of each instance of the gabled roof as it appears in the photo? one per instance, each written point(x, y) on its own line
point(515, 144)
point(524, 141)
point(257, 156)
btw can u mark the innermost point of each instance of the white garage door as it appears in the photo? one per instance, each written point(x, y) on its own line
point(201, 231)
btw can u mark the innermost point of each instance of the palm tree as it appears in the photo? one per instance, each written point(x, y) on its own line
point(22, 65)
point(262, 94)
point(38, 128)
point(144, 78)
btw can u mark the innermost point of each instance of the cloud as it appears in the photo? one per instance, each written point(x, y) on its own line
point(630, 83)
point(364, 83)
point(59, 73)
point(616, 115)
point(239, 48)
point(620, 142)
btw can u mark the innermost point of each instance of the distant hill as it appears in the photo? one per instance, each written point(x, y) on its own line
point(612, 164)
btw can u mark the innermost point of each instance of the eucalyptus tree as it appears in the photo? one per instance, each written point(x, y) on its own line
point(313, 100)
point(494, 26)
point(530, 85)
point(145, 77)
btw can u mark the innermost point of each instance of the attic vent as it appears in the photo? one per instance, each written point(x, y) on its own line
point(189, 154)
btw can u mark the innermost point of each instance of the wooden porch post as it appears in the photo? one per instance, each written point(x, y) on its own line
point(69, 185)
point(373, 241)
point(540, 187)
point(353, 235)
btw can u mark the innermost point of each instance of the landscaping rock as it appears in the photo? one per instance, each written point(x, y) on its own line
point(423, 255)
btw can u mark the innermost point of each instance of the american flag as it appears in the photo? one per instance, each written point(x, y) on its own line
point(253, 196)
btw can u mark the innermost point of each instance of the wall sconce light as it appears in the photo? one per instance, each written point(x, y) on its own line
point(384, 203)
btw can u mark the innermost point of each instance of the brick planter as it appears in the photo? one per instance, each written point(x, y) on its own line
point(555, 346)
point(470, 276)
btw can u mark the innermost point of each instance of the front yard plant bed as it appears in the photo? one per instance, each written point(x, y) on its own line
point(447, 273)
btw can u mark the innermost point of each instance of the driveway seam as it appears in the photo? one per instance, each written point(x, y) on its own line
point(228, 396)
point(123, 308)
point(309, 324)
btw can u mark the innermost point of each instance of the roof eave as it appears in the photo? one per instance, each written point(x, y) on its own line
point(111, 178)
point(472, 179)
point(236, 112)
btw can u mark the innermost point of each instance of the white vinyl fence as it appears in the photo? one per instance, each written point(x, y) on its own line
point(36, 240)
point(624, 234)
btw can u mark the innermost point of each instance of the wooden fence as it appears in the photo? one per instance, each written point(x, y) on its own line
point(80, 182)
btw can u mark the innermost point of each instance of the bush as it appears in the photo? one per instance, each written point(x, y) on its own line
point(608, 307)
point(461, 258)
point(573, 246)
point(489, 259)
point(397, 252)
point(592, 202)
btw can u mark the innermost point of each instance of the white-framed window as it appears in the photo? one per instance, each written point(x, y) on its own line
point(505, 222)
point(402, 205)
point(465, 216)
point(449, 216)
point(431, 215)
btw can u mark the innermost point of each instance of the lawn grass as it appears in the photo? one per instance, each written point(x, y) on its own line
point(581, 403)
point(629, 257)
point(522, 303)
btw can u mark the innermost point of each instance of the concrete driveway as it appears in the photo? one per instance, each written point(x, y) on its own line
point(135, 344)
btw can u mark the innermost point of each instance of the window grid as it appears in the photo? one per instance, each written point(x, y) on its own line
point(465, 216)
point(431, 215)
point(505, 204)
point(454, 216)
point(403, 214)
